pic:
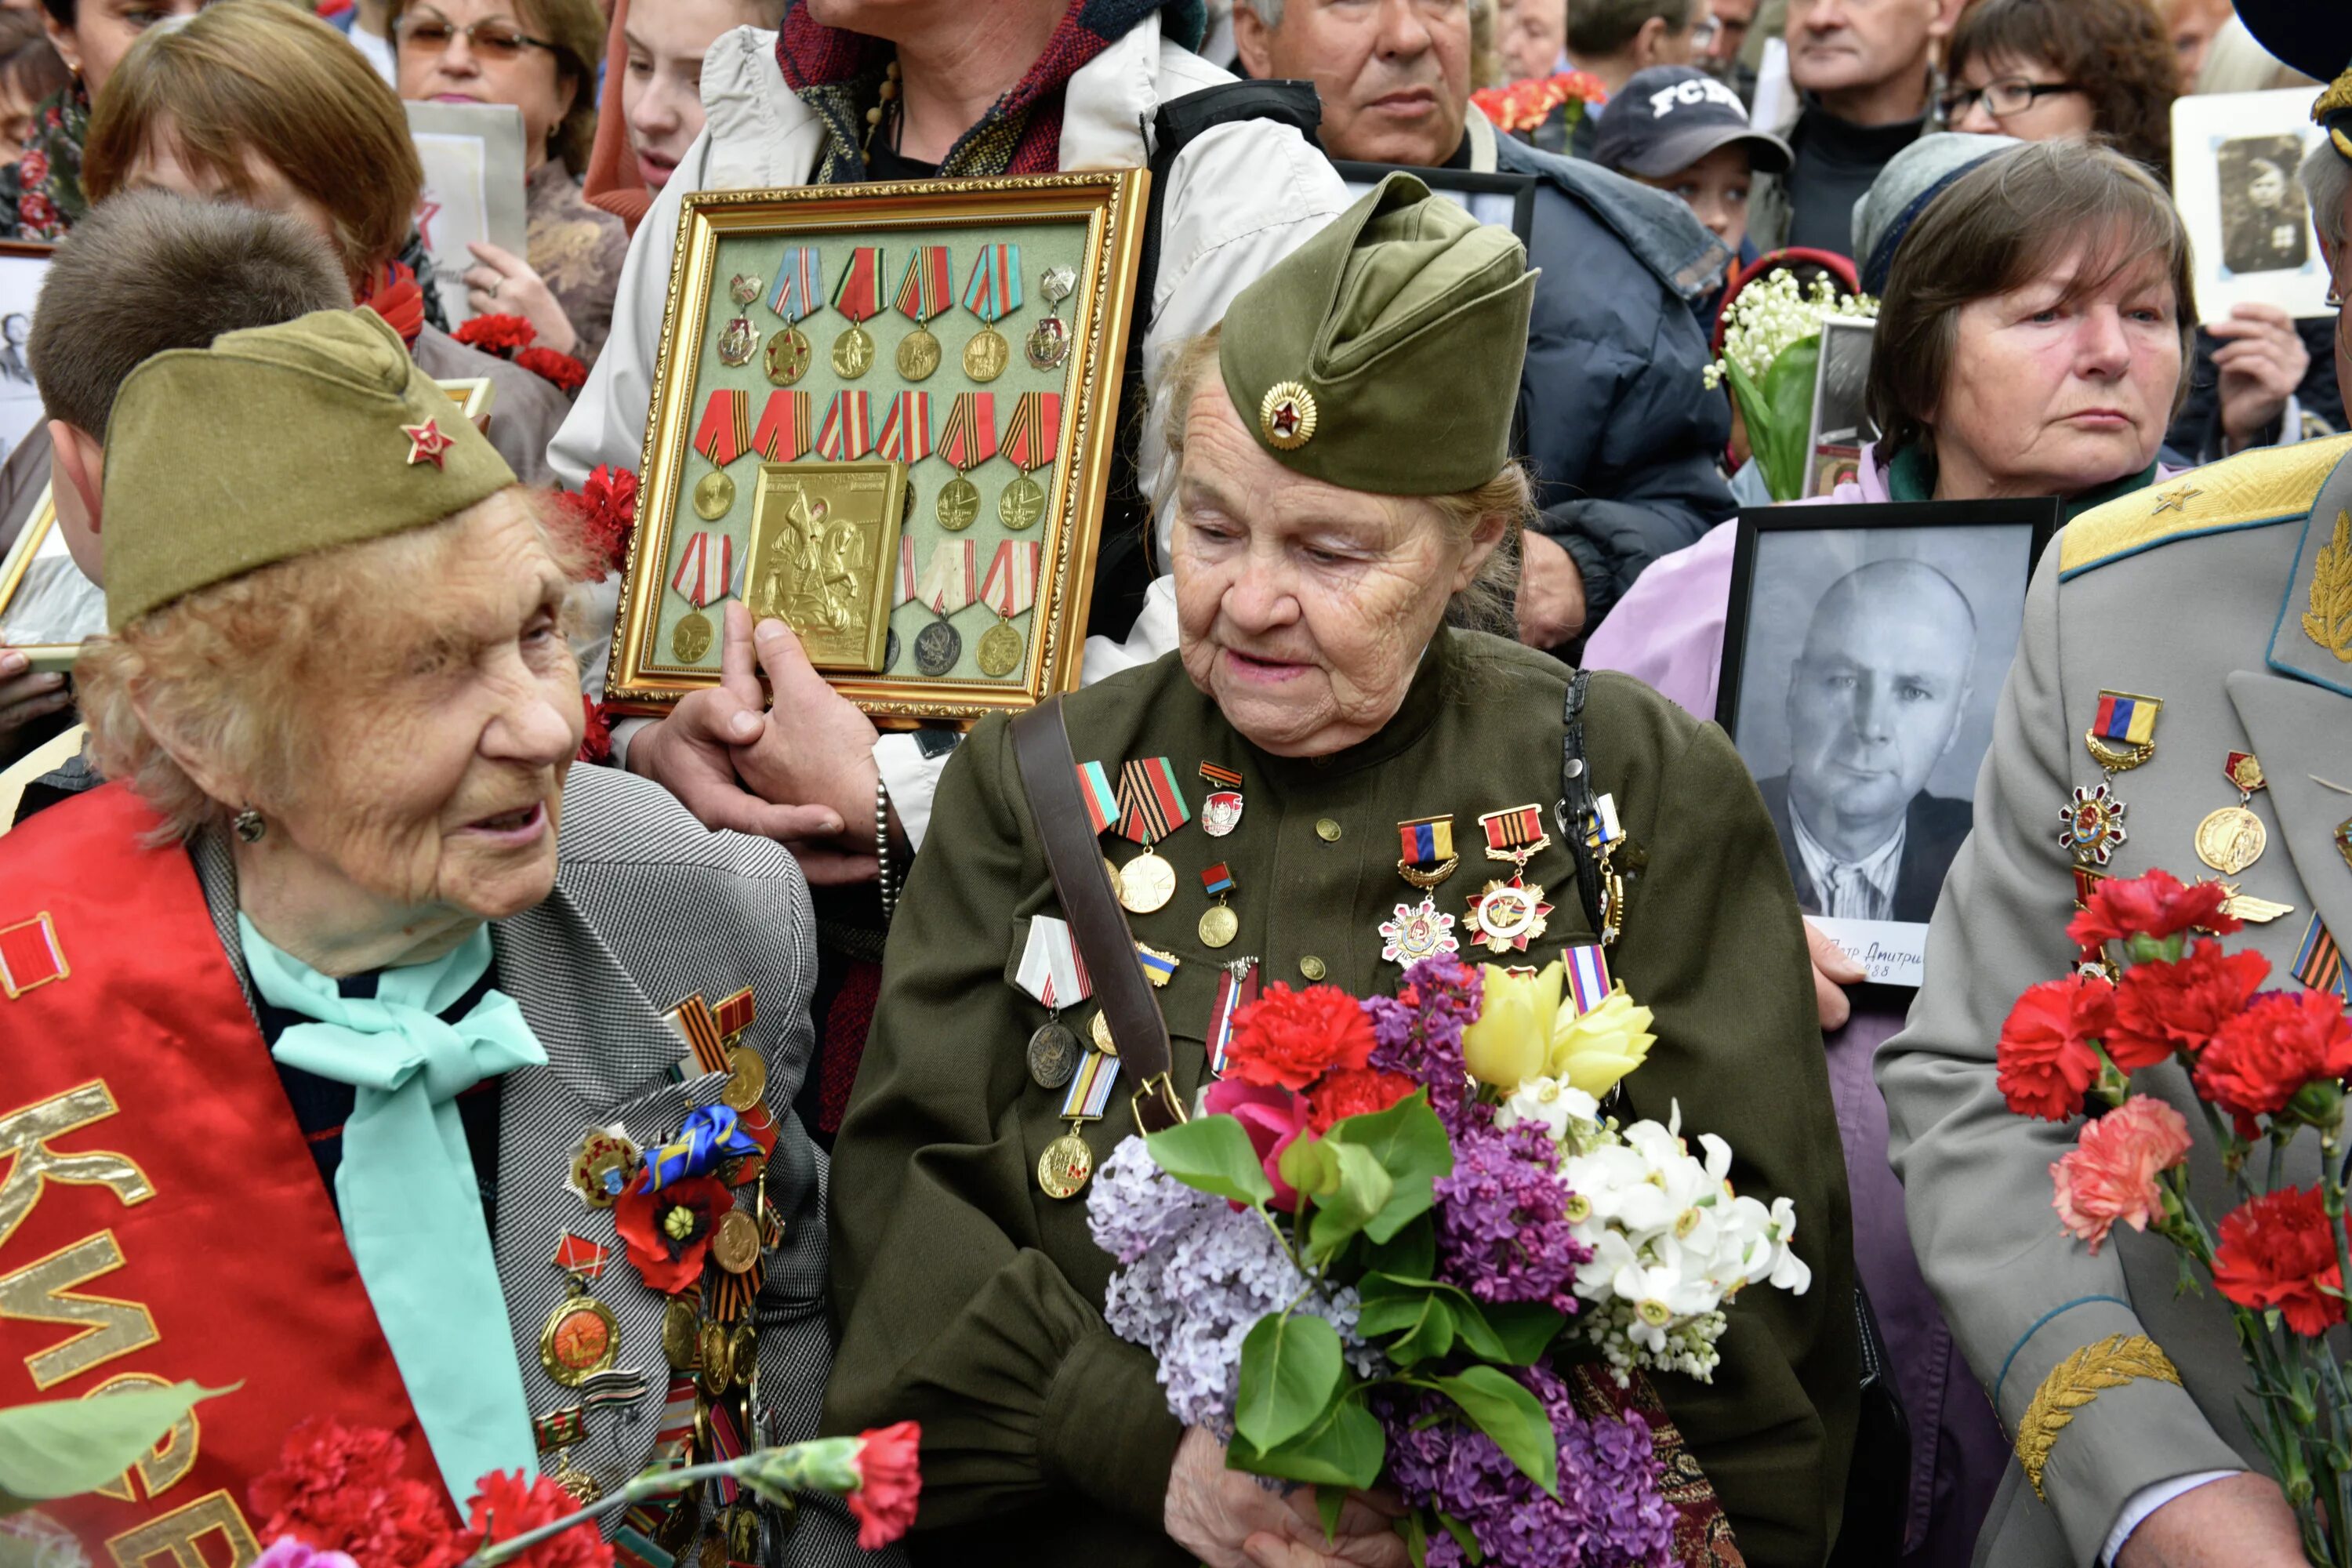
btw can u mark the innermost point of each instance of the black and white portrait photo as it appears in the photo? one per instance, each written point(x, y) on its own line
point(22, 267)
point(2265, 227)
point(2234, 157)
point(1864, 661)
point(1841, 423)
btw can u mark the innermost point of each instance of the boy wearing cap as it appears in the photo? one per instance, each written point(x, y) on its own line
point(1679, 129)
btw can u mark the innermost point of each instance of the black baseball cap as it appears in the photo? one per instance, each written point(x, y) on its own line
point(1667, 118)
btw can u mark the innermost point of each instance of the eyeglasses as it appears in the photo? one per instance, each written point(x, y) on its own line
point(2010, 95)
point(429, 33)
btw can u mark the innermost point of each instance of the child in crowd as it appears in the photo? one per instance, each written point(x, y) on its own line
point(1681, 131)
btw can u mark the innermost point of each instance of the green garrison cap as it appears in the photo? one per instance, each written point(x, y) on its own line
point(1384, 355)
point(274, 443)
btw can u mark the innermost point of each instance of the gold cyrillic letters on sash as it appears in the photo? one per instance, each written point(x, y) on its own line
point(24, 1140)
point(178, 1533)
point(167, 1465)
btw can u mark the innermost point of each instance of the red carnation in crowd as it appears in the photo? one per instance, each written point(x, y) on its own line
point(597, 734)
point(339, 1489)
point(2155, 905)
point(1354, 1092)
point(508, 1504)
point(2276, 1251)
point(2161, 1009)
point(496, 334)
point(2261, 1058)
point(667, 1233)
point(2047, 1055)
point(568, 374)
point(1287, 1039)
point(889, 1481)
point(2110, 1174)
point(608, 509)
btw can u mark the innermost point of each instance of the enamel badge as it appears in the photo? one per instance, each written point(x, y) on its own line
point(1507, 916)
point(1418, 931)
point(2094, 826)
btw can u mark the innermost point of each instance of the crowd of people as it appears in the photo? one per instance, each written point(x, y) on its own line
point(340, 927)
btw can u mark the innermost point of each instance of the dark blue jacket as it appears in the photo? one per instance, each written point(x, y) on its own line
point(1622, 433)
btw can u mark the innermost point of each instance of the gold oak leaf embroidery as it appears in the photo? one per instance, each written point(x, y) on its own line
point(2079, 1379)
point(2328, 622)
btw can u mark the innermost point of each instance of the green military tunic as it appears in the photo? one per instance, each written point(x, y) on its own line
point(971, 1301)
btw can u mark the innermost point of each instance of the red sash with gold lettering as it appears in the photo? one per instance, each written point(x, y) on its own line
point(160, 1218)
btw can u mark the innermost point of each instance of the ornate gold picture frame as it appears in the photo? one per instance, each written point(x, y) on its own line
point(884, 414)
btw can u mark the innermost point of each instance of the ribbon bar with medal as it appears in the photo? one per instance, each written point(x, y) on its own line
point(969, 441)
point(580, 1337)
point(992, 294)
point(1067, 1163)
point(924, 291)
point(2123, 730)
point(1507, 916)
point(800, 284)
point(848, 432)
point(705, 567)
point(1150, 807)
point(1220, 813)
point(859, 296)
point(1049, 341)
point(1055, 975)
point(946, 588)
point(1425, 850)
point(1100, 795)
point(786, 427)
point(1031, 441)
point(741, 338)
point(1010, 589)
point(2232, 837)
point(1219, 924)
point(723, 435)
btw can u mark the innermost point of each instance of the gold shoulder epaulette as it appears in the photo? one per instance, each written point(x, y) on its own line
point(2267, 485)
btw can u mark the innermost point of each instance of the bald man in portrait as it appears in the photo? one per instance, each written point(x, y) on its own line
point(1875, 699)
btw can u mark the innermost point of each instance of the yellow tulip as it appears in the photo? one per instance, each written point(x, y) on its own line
point(1508, 1043)
point(1595, 1050)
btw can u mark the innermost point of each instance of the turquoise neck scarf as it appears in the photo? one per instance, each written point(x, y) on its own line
point(411, 1206)
point(1911, 476)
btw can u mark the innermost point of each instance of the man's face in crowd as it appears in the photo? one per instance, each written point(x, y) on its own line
point(1731, 20)
point(1393, 75)
point(1838, 45)
point(1875, 700)
point(1529, 35)
point(2193, 25)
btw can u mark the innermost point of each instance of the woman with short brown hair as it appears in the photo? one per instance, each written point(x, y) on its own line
point(2038, 68)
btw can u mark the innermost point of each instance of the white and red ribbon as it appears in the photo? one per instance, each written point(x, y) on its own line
point(947, 581)
point(1051, 970)
point(907, 589)
point(706, 568)
point(1012, 584)
point(907, 428)
point(848, 432)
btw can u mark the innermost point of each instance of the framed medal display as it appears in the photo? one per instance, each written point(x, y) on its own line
point(884, 413)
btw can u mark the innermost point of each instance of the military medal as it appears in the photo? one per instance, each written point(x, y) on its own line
point(1237, 986)
point(1052, 974)
point(1146, 883)
point(1603, 834)
point(602, 1166)
point(2318, 963)
point(1030, 441)
point(924, 290)
point(1516, 835)
point(786, 427)
point(714, 495)
point(681, 1335)
point(1099, 1033)
point(968, 440)
point(1220, 813)
point(1159, 967)
point(747, 1079)
point(1426, 856)
point(2232, 837)
point(705, 567)
point(1418, 931)
point(800, 284)
point(1219, 924)
point(859, 296)
point(1507, 916)
point(735, 1242)
point(2123, 730)
point(2094, 826)
point(555, 1433)
point(580, 1337)
point(992, 293)
point(1010, 589)
point(946, 587)
point(1049, 341)
point(714, 1361)
point(741, 338)
point(1067, 1163)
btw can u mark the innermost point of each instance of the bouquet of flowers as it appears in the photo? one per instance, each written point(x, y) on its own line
point(1771, 357)
point(1402, 1235)
point(513, 338)
point(1521, 107)
point(2266, 1067)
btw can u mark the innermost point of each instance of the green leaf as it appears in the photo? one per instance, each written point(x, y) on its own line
point(1524, 1330)
point(1290, 1369)
point(1513, 1417)
point(1390, 1314)
point(1409, 1143)
point(1212, 1155)
point(1461, 1537)
point(1756, 414)
point(1416, 1538)
point(1344, 1447)
point(1410, 1254)
point(63, 1447)
point(1328, 1502)
point(1789, 388)
point(1431, 1334)
point(1309, 1167)
point(1362, 1190)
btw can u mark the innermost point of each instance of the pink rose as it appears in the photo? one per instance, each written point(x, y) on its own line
point(1274, 1118)
point(2111, 1173)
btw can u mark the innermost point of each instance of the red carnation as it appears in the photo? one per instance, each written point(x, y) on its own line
point(1354, 1092)
point(2276, 1251)
point(2261, 1058)
point(889, 1482)
point(496, 334)
point(597, 734)
point(2161, 1009)
point(667, 1233)
point(1287, 1039)
point(2047, 1055)
point(606, 508)
point(339, 1489)
point(507, 1504)
point(2155, 905)
point(568, 374)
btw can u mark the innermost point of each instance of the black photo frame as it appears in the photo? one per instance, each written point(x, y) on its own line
point(1483, 195)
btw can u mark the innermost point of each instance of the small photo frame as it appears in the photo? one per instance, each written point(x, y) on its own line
point(22, 266)
point(1841, 424)
point(885, 415)
point(1863, 654)
point(47, 605)
point(473, 160)
point(2235, 162)
point(1492, 196)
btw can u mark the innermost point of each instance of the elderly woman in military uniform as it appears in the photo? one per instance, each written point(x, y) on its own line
point(388, 1068)
point(1345, 492)
point(2194, 606)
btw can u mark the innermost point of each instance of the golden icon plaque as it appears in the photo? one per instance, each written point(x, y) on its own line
point(825, 542)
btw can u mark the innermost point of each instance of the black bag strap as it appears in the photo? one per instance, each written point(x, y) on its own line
point(1576, 804)
point(1049, 773)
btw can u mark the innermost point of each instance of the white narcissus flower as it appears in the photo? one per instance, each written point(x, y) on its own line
point(1572, 1116)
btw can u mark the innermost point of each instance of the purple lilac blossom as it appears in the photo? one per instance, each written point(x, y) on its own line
point(1609, 1513)
point(1503, 1232)
point(1418, 1032)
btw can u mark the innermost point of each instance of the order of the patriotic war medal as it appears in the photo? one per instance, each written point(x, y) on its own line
point(918, 354)
point(787, 359)
point(957, 504)
point(1022, 504)
point(713, 494)
point(690, 638)
point(1507, 916)
point(1052, 1055)
point(1064, 1167)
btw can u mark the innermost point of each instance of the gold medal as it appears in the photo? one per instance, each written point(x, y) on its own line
point(714, 494)
point(2230, 840)
point(1507, 916)
point(1117, 882)
point(716, 1369)
point(1020, 505)
point(578, 1340)
point(681, 1335)
point(580, 1486)
point(958, 505)
point(787, 359)
point(985, 357)
point(1064, 1167)
point(1219, 925)
point(677, 1532)
point(1146, 883)
point(690, 638)
point(743, 1353)
point(919, 355)
point(742, 1527)
point(747, 1079)
point(735, 1242)
point(853, 354)
point(1099, 1032)
point(1000, 648)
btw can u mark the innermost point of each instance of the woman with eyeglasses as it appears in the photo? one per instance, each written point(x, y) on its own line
point(542, 57)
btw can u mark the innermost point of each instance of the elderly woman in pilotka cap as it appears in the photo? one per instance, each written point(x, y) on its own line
point(338, 1017)
point(1345, 481)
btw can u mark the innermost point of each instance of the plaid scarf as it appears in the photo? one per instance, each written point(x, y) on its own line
point(838, 74)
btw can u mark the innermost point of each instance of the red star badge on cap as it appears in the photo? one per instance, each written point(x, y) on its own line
point(426, 443)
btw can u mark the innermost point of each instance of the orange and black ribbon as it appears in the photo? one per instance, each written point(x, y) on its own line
point(786, 427)
point(1150, 803)
point(969, 438)
point(1031, 439)
point(925, 290)
point(725, 433)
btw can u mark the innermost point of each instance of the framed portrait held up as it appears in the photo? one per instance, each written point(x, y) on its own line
point(47, 605)
point(885, 415)
point(2234, 161)
point(1842, 424)
point(1863, 654)
point(1496, 197)
point(23, 266)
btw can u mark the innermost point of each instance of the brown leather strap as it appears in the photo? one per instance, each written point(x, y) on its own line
point(1041, 746)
